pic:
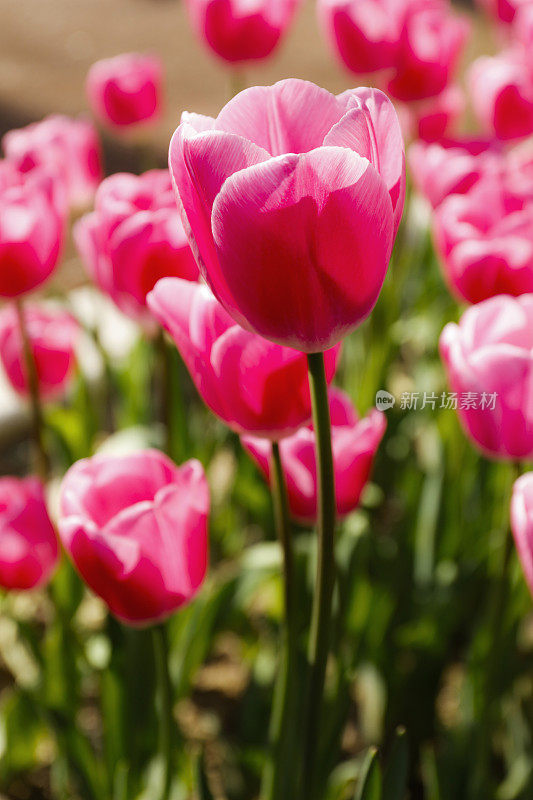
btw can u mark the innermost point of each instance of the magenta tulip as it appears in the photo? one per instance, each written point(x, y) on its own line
point(522, 523)
point(502, 94)
point(52, 336)
point(68, 146)
point(239, 31)
point(502, 10)
point(31, 229)
point(453, 166)
point(253, 385)
point(431, 120)
point(136, 529)
point(485, 242)
point(291, 199)
point(28, 545)
point(364, 33)
point(414, 45)
point(430, 45)
point(354, 444)
point(133, 238)
point(126, 91)
point(488, 361)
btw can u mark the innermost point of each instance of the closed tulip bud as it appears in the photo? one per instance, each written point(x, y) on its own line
point(52, 336)
point(487, 357)
point(32, 220)
point(354, 444)
point(501, 88)
point(253, 385)
point(239, 31)
point(70, 147)
point(28, 545)
point(485, 241)
point(431, 120)
point(133, 238)
point(291, 199)
point(452, 166)
point(126, 91)
point(136, 529)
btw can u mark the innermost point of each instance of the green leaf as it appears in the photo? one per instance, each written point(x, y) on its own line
point(369, 784)
point(396, 773)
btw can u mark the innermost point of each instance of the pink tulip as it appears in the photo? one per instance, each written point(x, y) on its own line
point(68, 146)
point(240, 30)
point(522, 523)
point(291, 199)
point(502, 94)
point(485, 242)
point(126, 90)
point(415, 44)
point(253, 385)
point(432, 119)
point(32, 219)
point(364, 33)
point(453, 166)
point(503, 10)
point(28, 545)
point(354, 444)
point(136, 529)
point(133, 238)
point(488, 362)
point(52, 337)
point(431, 43)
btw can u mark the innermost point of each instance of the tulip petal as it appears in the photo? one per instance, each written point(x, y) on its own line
point(315, 229)
point(293, 116)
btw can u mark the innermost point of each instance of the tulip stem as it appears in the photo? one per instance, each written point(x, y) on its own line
point(319, 639)
point(277, 784)
point(41, 456)
point(165, 390)
point(492, 671)
point(165, 705)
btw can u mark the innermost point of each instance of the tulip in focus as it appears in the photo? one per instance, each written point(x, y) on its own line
point(32, 219)
point(522, 523)
point(52, 336)
point(135, 527)
point(28, 545)
point(68, 146)
point(484, 239)
point(253, 385)
point(126, 91)
point(354, 442)
point(291, 198)
point(133, 238)
point(487, 357)
point(240, 30)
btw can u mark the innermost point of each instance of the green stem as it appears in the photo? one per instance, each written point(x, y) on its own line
point(164, 379)
point(41, 456)
point(495, 624)
point(237, 82)
point(165, 704)
point(319, 640)
point(284, 733)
